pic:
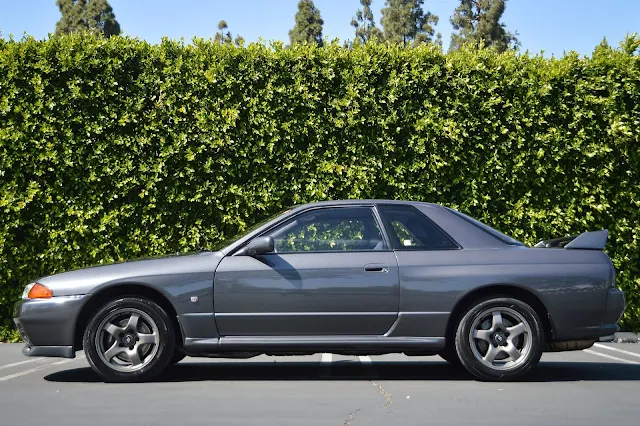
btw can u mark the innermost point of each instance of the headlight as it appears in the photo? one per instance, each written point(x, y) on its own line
point(27, 289)
point(36, 291)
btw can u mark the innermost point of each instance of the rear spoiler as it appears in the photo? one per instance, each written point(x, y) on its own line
point(595, 240)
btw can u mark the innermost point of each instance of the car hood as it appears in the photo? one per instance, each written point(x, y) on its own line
point(141, 270)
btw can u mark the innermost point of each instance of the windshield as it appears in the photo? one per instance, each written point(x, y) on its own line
point(489, 230)
point(225, 241)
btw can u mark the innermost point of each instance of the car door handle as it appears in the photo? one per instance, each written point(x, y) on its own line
point(376, 267)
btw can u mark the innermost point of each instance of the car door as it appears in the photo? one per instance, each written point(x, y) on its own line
point(332, 273)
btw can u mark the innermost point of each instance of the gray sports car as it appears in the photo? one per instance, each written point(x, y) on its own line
point(357, 277)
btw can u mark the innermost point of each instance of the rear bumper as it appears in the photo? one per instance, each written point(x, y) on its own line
point(47, 326)
point(606, 326)
point(615, 306)
point(612, 314)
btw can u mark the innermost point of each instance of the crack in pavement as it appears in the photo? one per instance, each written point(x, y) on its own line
point(388, 401)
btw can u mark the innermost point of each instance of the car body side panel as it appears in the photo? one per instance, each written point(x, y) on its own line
point(306, 294)
point(419, 324)
point(186, 281)
point(572, 285)
point(86, 280)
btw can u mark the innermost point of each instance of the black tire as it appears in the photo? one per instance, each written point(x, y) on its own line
point(514, 350)
point(451, 357)
point(147, 359)
point(177, 357)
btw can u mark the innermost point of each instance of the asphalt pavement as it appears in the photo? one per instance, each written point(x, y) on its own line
point(598, 386)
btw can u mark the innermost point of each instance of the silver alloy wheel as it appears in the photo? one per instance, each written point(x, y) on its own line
point(500, 338)
point(127, 339)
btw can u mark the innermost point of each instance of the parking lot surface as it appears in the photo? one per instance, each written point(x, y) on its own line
point(599, 386)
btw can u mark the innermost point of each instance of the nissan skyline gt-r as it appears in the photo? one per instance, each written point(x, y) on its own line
point(354, 277)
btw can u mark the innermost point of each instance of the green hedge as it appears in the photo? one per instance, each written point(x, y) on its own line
point(113, 149)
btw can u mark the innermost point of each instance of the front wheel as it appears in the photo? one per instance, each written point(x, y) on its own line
point(129, 339)
point(499, 339)
point(450, 356)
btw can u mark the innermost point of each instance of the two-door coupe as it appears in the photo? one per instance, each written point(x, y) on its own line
point(357, 277)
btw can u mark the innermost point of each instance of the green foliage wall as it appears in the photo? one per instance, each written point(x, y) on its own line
point(113, 149)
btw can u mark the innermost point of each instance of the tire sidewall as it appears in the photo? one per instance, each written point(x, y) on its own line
point(463, 343)
point(166, 346)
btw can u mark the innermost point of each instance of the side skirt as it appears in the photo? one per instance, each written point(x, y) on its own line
point(313, 344)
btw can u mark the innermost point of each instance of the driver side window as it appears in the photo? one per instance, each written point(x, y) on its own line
point(330, 229)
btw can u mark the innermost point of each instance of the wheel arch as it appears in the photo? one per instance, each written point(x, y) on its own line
point(114, 291)
point(509, 290)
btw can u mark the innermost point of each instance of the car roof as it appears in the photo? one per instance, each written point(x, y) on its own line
point(362, 201)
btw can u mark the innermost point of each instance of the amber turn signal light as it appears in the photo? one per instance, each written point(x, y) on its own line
point(39, 291)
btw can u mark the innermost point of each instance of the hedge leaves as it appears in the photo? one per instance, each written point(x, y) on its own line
point(114, 149)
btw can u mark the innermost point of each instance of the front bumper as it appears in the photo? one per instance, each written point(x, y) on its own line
point(48, 325)
point(52, 351)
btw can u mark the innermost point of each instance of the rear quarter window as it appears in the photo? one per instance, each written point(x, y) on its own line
point(486, 228)
point(410, 229)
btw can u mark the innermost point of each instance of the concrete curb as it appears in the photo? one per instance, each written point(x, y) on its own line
point(622, 337)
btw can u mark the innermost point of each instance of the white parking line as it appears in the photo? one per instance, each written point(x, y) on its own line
point(599, 345)
point(326, 357)
point(38, 368)
point(18, 363)
point(365, 360)
point(615, 358)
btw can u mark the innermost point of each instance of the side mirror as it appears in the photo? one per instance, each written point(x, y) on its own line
point(260, 245)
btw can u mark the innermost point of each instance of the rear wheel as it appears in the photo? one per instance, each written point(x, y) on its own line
point(499, 339)
point(177, 357)
point(129, 339)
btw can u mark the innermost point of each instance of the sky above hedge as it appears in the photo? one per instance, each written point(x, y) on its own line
point(551, 26)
